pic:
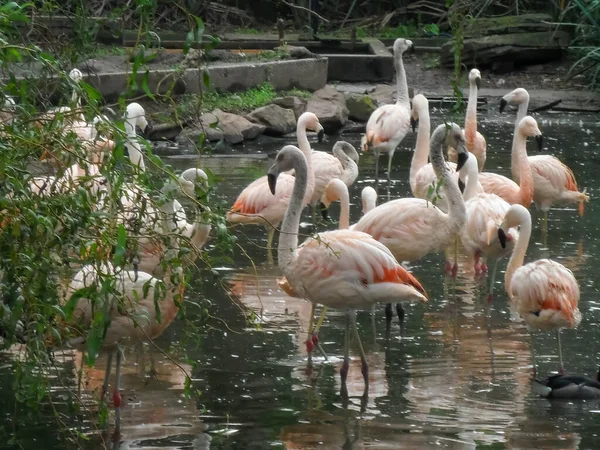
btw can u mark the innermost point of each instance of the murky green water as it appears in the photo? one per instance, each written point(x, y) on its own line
point(455, 377)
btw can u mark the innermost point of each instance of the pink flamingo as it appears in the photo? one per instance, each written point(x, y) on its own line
point(343, 269)
point(544, 292)
point(388, 124)
point(485, 213)
point(475, 141)
point(136, 310)
point(422, 176)
point(553, 182)
point(506, 188)
point(413, 227)
point(256, 204)
point(341, 164)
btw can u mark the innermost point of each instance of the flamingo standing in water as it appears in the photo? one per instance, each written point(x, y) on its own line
point(475, 141)
point(485, 213)
point(135, 310)
point(256, 204)
point(545, 293)
point(388, 124)
point(553, 182)
point(413, 227)
point(422, 175)
point(506, 188)
point(343, 269)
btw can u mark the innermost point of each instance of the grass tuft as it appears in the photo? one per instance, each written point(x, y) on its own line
point(235, 102)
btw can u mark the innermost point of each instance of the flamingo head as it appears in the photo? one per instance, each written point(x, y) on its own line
point(529, 127)
point(402, 45)
point(475, 78)
point(75, 75)
point(288, 158)
point(419, 105)
point(347, 148)
point(517, 215)
point(135, 116)
point(311, 122)
point(455, 138)
point(515, 97)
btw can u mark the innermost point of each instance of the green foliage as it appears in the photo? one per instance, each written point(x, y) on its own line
point(78, 220)
point(585, 16)
point(236, 102)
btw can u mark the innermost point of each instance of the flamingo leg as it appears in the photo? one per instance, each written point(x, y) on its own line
point(533, 356)
point(400, 312)
point(363, 358)
point(389, 315)
point(562, 368)
point(309, 342)
point(270, 236)
point(493, 279)
point(314, 214)
point(545, 230)
point(390, 157)
point(376, 154)
point(117, 393)
point(315, 332)
point(346, 364)
point(106, 376)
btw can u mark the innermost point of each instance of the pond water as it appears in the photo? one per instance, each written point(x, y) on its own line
point(456, 375)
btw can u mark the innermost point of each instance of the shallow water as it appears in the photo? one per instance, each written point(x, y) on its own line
point(456, 375)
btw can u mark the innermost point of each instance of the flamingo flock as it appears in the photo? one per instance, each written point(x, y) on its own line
point(486, 213)
point(453, 202)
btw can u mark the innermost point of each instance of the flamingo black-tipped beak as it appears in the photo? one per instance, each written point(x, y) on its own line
point(147, 131)
point(320, 135)
point(412, 49)
point(462, 159)
point(502, 237)
point(478, 83)
point(461, 186)
point(540, 142)
point(503, 104)
point(324, 211)
point(272, 179)
point(414, 123)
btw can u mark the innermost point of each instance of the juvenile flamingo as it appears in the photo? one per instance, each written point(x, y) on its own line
point(545, 293)
point(388, 124)
point(343, 269)
point(475, 141)
point(422, 175)
point(256, 204)
point(485, 213)
point(506, 188)
point(553, 181)
point(135, 310)
point(413, 227)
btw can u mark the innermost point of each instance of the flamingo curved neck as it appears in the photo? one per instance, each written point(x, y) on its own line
point(521, 112)
point(457, 212)
point(304, 146)
point(135, 154)
point(519, 158)
point(288, 236)
point(518, 256)
point(401, 85)
point(344, 208)
point(421, 154)
point(472, 178)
